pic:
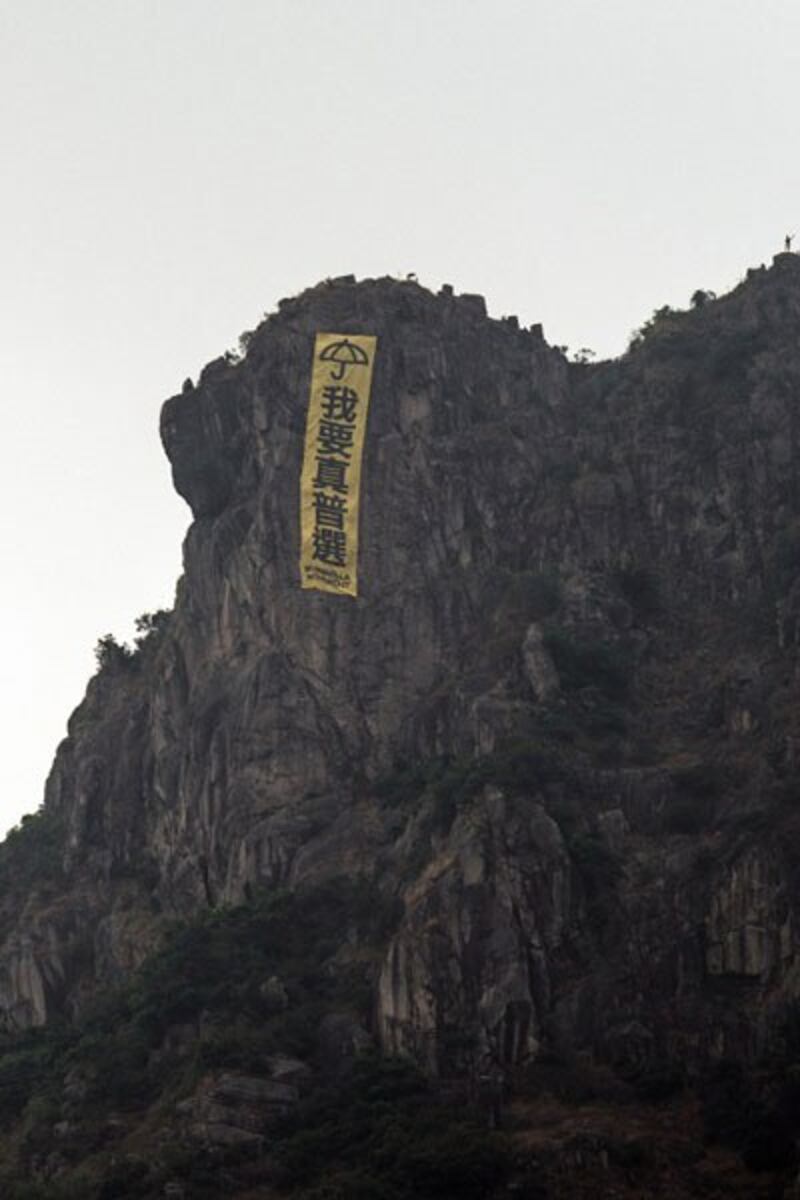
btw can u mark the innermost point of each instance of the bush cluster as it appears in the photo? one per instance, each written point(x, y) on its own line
point(32, 852)
point(208, 977)
point(383, 1135)
point(603, 665)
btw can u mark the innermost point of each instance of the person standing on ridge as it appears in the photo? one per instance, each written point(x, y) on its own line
point(787, 242)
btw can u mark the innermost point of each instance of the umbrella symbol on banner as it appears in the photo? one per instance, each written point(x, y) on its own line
point(345, 355)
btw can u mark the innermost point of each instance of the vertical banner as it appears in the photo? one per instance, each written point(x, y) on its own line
point(341, 377)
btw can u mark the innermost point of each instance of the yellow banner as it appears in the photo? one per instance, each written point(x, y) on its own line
point(341, 376)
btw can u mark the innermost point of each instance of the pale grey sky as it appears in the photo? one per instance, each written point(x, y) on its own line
point(170, 170)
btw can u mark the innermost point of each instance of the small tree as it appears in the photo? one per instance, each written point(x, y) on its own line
point(150, 626)
point(659, 321)
point(111, 654)
point(700, 298)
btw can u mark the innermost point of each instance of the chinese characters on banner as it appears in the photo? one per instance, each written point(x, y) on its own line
point(341, 377)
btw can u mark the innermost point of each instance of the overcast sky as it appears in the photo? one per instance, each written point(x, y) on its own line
point(171, 170)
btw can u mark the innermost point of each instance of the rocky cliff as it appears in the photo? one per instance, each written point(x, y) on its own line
point(557, 729)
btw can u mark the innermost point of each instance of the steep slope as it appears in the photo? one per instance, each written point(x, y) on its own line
point(556, 731)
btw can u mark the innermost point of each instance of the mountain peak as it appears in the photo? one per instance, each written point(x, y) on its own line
point(553, 734)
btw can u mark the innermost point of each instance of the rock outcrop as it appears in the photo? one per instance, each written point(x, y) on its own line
point(559, 723)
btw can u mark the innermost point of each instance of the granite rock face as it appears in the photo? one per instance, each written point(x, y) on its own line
point(559, 723)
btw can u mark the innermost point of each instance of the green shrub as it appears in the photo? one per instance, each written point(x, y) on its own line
point(111, 655)
point(603, 719)
point(686, 815)
point(32, 851)
point(701, 298)
point(151, 628)
point(407, 782)
point(731, 354)
point(663, 321)
point(599, 870)
point(594, 858)
point(211, 968)
point(20, 1074)
point(697, 789)
point(580, 664)
point(383, 1131)
point(458, 1161)
point(701, 781)
point(640, 588)
point(516, 766)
